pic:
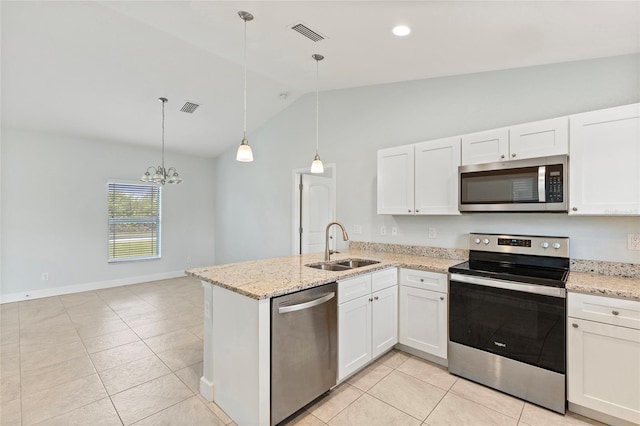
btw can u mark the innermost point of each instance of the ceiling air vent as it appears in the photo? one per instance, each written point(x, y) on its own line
point(189, 107)
point(307, 32)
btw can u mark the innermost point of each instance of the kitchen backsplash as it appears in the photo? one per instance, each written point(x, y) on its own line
point(628, 270)
point(439, 252)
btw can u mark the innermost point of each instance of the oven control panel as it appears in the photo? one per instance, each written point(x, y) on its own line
point(522, 244)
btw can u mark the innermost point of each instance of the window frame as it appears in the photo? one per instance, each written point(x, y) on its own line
point(157, 220)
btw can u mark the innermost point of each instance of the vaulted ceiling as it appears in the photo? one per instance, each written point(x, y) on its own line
point(95, 69)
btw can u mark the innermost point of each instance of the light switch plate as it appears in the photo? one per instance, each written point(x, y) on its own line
point(383, 230)
point(394, 230)
point(433, 233)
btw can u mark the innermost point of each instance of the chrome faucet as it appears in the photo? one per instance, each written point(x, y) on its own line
point(345, 237)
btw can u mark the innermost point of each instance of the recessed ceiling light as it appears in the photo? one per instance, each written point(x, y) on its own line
point(401, 30)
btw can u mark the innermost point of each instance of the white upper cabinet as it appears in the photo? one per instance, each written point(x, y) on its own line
point(395, 180)
point(420, 179)
point(485, 147)
point(605, 162)
point(537, 139)
point(436, 176)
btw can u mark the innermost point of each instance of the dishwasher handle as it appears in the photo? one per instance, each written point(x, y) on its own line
point(306, 305)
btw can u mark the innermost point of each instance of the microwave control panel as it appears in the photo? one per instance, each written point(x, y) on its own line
point(555, 185)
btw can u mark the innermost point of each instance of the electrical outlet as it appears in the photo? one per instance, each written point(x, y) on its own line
point(45, 276)
point(357, 229)
point(394, 230)
point(433, 233)
point(633, 241)
point(383, 230)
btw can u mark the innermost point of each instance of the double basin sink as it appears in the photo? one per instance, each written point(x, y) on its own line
point(342, 265)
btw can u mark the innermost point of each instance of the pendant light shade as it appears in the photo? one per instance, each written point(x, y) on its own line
point(316, 165)
point(160, 174)
point(244, 153)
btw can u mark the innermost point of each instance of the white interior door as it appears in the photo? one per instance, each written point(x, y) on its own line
point(316, 211)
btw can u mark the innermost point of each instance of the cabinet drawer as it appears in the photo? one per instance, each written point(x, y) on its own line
point(608, 310)
point(423, 279)
point(353, 288)
point(383, 279)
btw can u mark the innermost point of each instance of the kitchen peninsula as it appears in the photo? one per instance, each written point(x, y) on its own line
point(237, 298)
point(236, 362)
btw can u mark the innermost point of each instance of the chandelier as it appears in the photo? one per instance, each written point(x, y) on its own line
point(159, 174)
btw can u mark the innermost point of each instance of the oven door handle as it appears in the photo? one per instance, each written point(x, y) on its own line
point(508, 285)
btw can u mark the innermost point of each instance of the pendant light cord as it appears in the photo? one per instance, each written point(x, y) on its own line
point(163, 137)
point(317, 108)
point(244, 123)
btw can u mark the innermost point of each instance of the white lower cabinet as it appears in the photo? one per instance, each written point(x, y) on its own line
point(603, 356)
point(367, 319)
point(423, 311)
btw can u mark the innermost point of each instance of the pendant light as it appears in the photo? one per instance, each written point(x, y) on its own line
point(316, 165)
point(244, 153)
point(160, 174)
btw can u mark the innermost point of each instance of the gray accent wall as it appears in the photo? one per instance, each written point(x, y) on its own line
point(253, 200)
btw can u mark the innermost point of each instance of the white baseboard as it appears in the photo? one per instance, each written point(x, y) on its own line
point(98, 285)
point(206, 389)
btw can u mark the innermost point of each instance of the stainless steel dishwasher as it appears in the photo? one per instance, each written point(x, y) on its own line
point(303, 348)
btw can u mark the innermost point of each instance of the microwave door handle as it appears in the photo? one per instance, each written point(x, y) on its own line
point(542, 193)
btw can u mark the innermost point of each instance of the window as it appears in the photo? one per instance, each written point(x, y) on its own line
point(134, 221)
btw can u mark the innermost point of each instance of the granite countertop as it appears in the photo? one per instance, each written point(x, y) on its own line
point(262, 279)
point(268, 278)
point(604, 285)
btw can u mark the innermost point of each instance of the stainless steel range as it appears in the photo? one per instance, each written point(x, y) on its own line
point(507, 316)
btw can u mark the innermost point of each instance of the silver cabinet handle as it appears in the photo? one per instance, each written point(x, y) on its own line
point(370, 299)
point(513, 155)
point(375, 298)
point(575, 209)
point(409, 210)
point(421, 280)
point(574, 325)
point(441, 298)
point(417, 211)
point(615, 312)
point(306, 305)
point(502, 156)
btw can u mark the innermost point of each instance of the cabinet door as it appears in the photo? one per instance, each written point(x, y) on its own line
point(354, 335)
point(395, 180)
point(436, 183)
point(539, 139)
point(423, 320)
point(385, 320)
point(485, 147)
point(603, 368)
point(605, 162)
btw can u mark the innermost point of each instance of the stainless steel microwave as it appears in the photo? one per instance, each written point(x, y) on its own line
point(530, 185)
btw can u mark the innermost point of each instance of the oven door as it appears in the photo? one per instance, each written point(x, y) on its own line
point(500, 318)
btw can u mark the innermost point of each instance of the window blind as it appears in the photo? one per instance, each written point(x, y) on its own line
point(134, 221)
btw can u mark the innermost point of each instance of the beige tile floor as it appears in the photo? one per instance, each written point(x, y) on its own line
point(133, 355)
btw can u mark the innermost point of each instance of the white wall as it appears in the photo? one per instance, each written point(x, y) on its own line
point(253, 218)
point(54, 213)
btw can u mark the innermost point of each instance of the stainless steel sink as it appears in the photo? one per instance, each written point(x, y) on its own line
point(342, 265)
point(329, 266)
point(357, 263)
